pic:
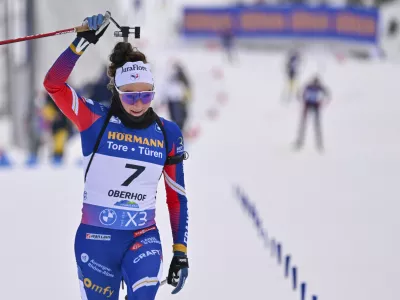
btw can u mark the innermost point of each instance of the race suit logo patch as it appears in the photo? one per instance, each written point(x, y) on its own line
point(143, 231)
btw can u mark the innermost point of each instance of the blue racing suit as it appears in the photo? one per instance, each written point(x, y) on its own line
point(118, 237)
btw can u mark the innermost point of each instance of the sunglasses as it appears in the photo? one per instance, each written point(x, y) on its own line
point(132, 97)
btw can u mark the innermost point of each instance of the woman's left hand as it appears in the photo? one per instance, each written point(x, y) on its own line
point(178, 272)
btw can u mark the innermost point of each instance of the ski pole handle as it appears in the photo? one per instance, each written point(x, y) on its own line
point(85, 25)
point(82, 28)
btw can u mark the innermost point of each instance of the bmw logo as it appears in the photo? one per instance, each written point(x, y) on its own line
point(108, 217)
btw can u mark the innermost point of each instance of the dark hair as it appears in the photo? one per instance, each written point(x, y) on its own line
point(121, 54)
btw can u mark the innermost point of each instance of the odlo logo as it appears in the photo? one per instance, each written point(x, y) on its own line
point(107, 291)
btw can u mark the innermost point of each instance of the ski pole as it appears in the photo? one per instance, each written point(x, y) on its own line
point(81, 28)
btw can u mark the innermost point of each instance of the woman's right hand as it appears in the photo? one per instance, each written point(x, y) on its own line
point(98, 24)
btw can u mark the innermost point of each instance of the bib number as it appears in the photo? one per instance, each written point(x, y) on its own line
point(138, 170)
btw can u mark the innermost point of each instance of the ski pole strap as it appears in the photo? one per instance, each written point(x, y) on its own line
point(171, 160)
point(96, 146)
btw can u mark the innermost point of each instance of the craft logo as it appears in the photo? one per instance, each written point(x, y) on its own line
point(146, 254)
point(108, 217)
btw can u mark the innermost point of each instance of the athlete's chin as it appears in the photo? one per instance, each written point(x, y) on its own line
point(137, 113)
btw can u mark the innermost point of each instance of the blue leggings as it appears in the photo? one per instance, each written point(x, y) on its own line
point(106, 256)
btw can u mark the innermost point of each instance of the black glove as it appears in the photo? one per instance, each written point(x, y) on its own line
point(178, 272)
point(97, 25)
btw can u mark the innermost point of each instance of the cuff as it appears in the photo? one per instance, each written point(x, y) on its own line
point(79, 45)
point(179, 248)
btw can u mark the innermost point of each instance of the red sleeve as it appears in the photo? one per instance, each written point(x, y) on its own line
point(176, 195)
point(65, 97)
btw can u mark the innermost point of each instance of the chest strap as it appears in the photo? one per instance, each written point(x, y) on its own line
point(96, 146)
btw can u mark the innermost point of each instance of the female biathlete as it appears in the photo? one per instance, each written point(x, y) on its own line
point(126, 148)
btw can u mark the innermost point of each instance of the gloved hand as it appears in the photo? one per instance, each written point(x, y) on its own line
point(178, 272)
point(98, 24)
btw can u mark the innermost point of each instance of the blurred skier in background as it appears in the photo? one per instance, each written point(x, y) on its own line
point(292, 71)
point(35, 125)
point(227, 40)
point(60, 127)
point(139, 11)
point(177, 94)
point(98, 90)
point(137, 5)
point(314, 96)
point(4, 160)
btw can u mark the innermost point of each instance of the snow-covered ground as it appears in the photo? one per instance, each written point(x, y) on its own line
point(336, 213)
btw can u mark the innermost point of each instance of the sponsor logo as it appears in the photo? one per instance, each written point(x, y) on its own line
point(180, 148)
point(126, 195)
point(146, 254)
point(158, 129)
point(138, 216)
point(126, 203)
point(85, 195)
point(99, 268)
point(136, 246)
point(98, 237)
point(150, 240)
point(115, 120)
point(106, 291)
point(118, 147)
point(143, 231)
point(135, 76)
point(84, 258)
point(133, 68)
point(112, 135)
point(146, 151)
point(108, 217)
